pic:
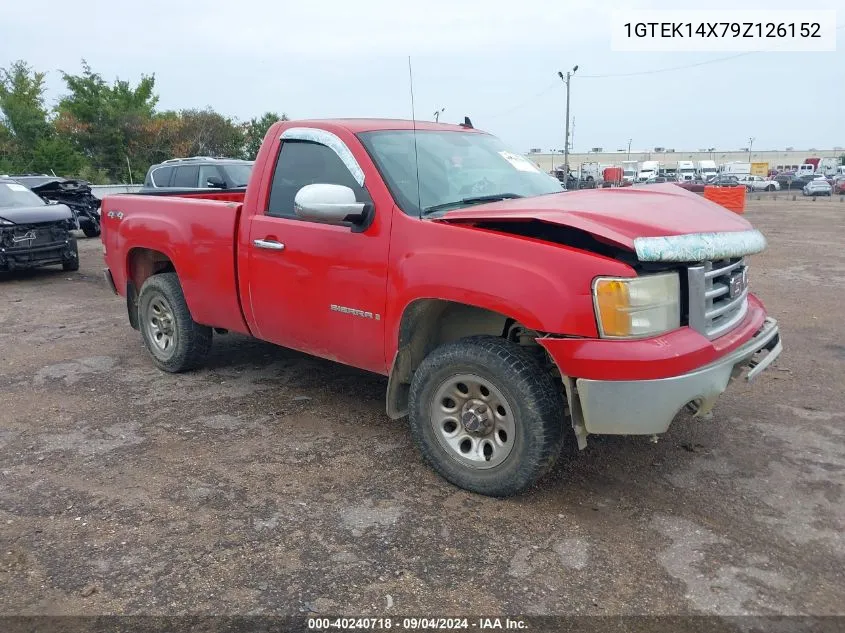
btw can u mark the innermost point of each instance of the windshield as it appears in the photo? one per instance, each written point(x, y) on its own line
point(239, 173)
point(13, 194)
point(455, 169)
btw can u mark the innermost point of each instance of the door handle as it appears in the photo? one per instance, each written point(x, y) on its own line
point(272, 245)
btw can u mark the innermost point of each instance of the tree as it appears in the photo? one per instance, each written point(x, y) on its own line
point(208, 133)
point(256, 130)
point(24, 117)
point(104, 121)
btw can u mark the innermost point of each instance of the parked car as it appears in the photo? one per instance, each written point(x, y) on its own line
point(75, 194)
point(793, 181)
point(198, 172)
point(839, 185)
point(697, 185)
point(817, 187)
point(758, 183)
point(724, 180)
point(432, 254)
point(34, 233)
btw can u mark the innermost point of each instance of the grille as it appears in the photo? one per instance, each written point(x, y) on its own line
point(718, 296)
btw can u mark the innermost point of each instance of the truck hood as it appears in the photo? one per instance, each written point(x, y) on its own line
point(619, 214)
point(35, 215)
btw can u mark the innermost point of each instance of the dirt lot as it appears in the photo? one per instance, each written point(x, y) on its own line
point(273, 483)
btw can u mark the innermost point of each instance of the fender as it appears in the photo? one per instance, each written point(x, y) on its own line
point(544, 286)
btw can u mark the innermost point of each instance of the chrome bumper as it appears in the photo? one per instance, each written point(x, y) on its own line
point(647, 407)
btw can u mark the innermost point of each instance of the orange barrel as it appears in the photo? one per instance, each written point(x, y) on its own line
point(732, 198)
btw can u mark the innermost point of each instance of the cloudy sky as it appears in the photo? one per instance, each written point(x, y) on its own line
point(494, 60)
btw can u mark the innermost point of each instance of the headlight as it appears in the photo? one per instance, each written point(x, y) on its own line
point(636, 307)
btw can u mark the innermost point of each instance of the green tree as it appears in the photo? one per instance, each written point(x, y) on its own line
point(103, 122)
point(208, 133)
point(24, 119)
point(256, 130)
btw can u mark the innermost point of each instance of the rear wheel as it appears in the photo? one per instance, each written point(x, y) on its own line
point(174, 340)
point(770, 188)
point(91, 230)
point(486, 416)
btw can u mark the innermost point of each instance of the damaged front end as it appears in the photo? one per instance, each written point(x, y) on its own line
point(77, 196)
point(35, 237)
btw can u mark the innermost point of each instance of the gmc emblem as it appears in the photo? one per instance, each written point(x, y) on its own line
point(738, 283)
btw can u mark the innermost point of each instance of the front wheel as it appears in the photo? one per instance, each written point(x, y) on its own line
point(486, 416)
point(174, 340)
point(770, 188)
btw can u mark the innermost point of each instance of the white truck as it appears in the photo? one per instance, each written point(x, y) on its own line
point(629, 170)
point(590, 171)
point(736, 168)
point(706, 169)
point(686, 170)
point(648, 169)
point(829, 166)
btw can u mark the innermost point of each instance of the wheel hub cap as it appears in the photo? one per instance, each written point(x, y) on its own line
point(475, 417)
point(472, 421)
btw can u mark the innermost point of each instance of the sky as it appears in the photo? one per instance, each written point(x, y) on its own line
point(495, 61)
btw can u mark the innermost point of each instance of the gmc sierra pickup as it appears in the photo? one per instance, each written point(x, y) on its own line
point(509, 316)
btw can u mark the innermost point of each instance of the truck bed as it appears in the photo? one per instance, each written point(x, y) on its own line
point(195, 231)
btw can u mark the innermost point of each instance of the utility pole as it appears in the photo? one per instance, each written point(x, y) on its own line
point(566, 137)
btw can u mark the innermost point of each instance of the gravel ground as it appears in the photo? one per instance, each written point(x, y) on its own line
point(273, 483)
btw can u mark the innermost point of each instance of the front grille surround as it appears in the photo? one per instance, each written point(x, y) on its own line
point(712, 311)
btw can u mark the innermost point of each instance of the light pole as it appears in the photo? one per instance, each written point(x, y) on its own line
point(566, 138)
point(750, 143)
point(629, 148)
point(437, 114)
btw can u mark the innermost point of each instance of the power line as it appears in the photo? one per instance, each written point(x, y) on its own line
point(665, 70)
point(547, 89)
point(634, 74)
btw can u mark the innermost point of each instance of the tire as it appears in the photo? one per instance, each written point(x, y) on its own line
point(528, 408)
point(91, 231)
point(770, 188)
point(72, 264)
point(174, 340)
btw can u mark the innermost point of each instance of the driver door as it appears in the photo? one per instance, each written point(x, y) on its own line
point(314, 287)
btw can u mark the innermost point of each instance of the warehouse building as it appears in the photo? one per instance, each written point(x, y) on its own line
point(669, 157)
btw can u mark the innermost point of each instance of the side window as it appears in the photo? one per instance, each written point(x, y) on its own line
point(303, 163)
point(206, 172)
point(186, 177)
point(161, 176)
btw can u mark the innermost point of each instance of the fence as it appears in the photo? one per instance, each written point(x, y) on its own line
point(103, 190)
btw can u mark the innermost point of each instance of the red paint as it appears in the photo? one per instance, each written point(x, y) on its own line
point(285, 297)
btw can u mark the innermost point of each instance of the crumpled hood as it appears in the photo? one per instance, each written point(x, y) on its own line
point(618, 214)
point(35, 215)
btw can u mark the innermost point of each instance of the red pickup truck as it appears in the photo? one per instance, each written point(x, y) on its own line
point(509, 316)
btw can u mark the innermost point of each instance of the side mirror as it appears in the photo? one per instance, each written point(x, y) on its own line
point(330, 204)
point(215, 182)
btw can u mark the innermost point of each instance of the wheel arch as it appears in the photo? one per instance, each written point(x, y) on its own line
point(141, 264)
point(426, 324)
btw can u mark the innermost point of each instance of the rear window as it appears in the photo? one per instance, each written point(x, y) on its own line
point(187, 176)
point(161, 176)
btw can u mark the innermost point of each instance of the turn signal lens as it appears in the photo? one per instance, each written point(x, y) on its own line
point(637, 307)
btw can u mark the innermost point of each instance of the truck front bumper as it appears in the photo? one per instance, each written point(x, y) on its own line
point(647, 407)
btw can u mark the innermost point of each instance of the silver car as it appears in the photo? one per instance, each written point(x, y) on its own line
point(818, 187)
